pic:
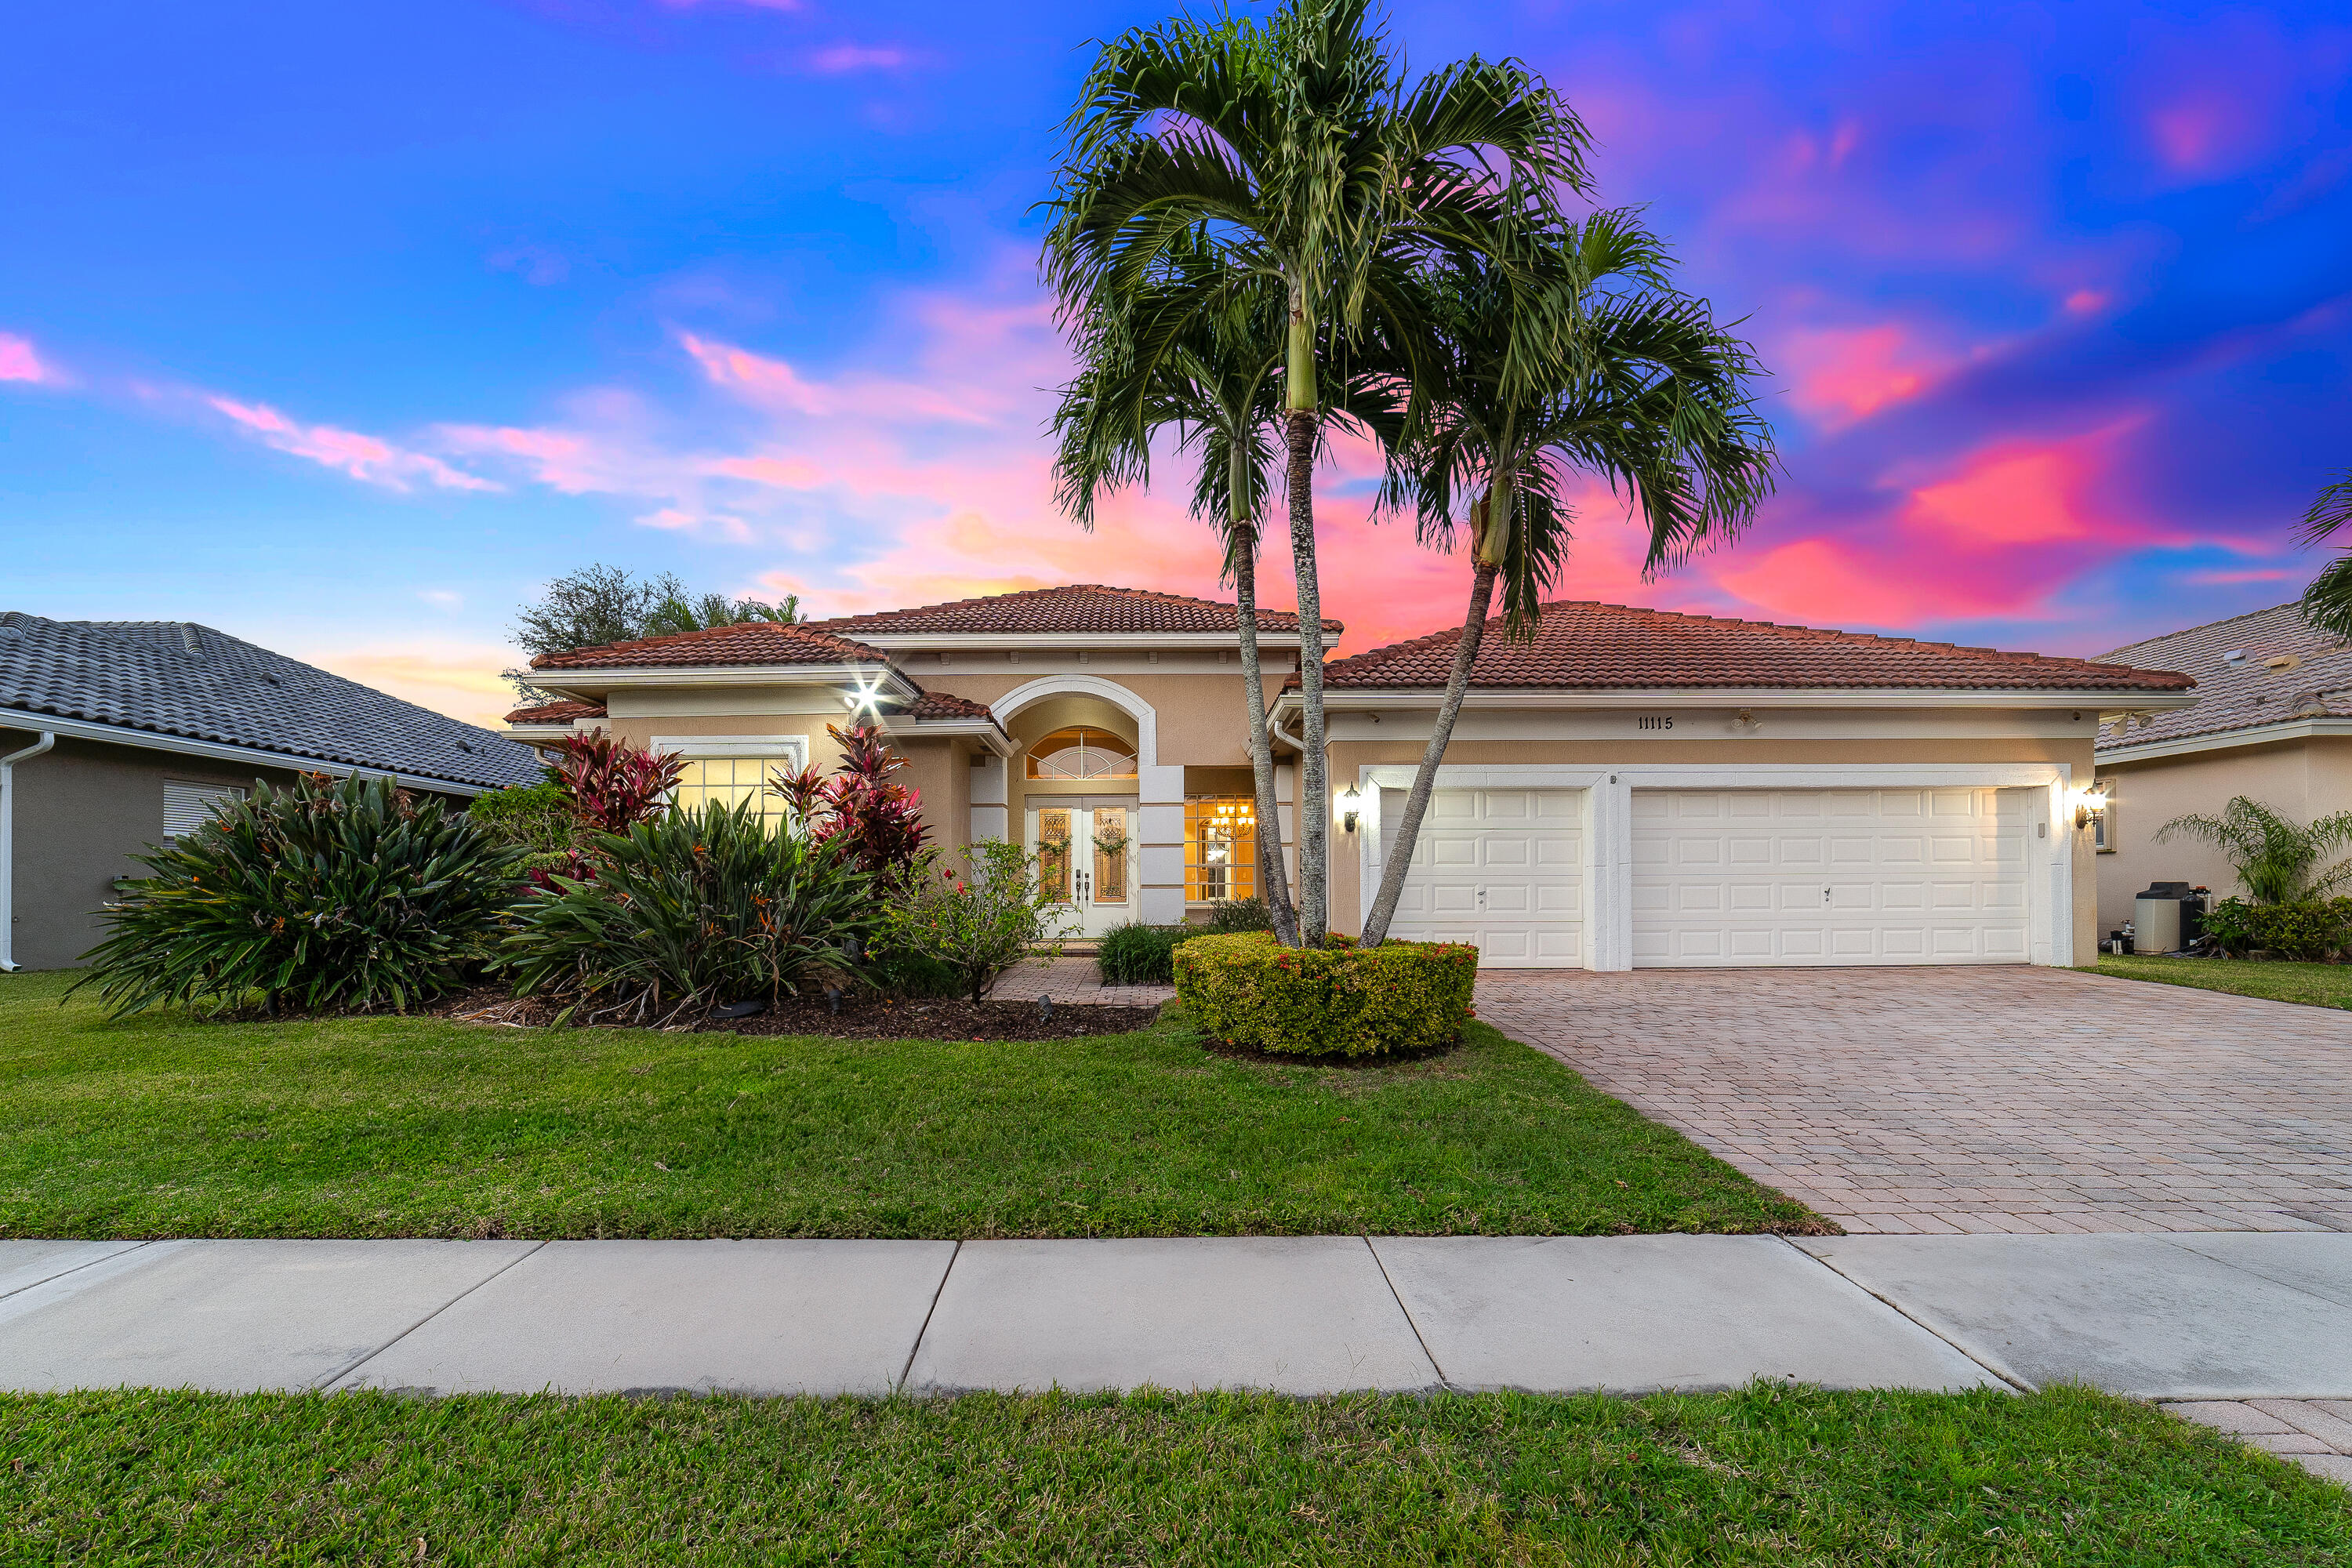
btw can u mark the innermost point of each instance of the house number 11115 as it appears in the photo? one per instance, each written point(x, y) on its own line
point(1654, 722)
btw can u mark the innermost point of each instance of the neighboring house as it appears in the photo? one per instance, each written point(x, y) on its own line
point(1631, 788)
point(118, 735)
point(2272, 720)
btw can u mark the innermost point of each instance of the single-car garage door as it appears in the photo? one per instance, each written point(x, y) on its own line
point(1499, 867)
point(1828, 876)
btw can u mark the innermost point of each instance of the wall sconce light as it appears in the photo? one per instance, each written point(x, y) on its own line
point(1350, 803)
point(2089, 803)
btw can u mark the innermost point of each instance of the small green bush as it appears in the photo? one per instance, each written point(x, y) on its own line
point(324, 895)
point(1229, 915)
point(2312, 930)
point(1248, 990)
point(536, 819)
point(975, 920)
point(693, 911)
point(1139, 954)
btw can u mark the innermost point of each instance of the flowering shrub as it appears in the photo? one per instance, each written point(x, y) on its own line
point(322, 895)
point(693, 911)
point(1248, 990)
point(879, 823)
point(977, 919)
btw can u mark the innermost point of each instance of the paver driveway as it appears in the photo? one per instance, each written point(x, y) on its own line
point(1928, 1101)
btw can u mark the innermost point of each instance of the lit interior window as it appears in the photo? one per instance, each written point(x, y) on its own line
point(1079, 752)
point(730, 780)
point(1220, 847)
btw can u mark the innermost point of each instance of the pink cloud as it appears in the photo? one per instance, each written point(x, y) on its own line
point(775, 384)
point(2223, 579)
point(364, 458)
point(19, 362)
point(841, 58)
point(1843, 374)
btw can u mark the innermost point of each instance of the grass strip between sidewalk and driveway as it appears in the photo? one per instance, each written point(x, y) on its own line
point(2313, 984)
point(160, 1125)
point(1765, 1475)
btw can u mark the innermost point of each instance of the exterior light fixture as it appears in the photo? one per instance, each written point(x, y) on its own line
point(867, 698)
point(2090, 803)
point(1350, 803)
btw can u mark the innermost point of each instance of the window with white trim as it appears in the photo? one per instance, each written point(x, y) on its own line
point(733, 769)
point(187, 806)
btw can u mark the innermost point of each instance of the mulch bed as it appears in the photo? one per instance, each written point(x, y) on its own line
point(860, 1018)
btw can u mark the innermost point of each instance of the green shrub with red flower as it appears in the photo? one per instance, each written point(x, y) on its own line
point(1339, 999)
point(975, 914)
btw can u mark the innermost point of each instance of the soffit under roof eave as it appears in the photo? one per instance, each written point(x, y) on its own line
point(593, 685)
point(1534, 698)
point(2107, 754)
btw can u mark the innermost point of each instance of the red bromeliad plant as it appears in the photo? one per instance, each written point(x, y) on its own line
point(880, 822)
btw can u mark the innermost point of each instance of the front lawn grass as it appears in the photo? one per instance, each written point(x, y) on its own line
point(161, 1126)
point(2314, 985)
point(1766, 1475)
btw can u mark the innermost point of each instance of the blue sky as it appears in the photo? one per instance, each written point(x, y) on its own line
point(341, 328)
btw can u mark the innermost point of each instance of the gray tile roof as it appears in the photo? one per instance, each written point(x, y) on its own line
point(2314, 679)
point(175, 678)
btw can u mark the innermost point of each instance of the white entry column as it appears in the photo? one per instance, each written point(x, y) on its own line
point(1160, 899)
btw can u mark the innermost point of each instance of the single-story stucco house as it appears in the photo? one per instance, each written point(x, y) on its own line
point(120, 736)
point(1633, 788)
point(2272, 720)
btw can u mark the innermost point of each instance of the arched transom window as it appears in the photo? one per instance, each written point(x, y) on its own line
point(1081, 752)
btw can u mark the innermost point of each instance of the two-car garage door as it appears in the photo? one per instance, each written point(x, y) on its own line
point(1779, 877)
point(1829, 876)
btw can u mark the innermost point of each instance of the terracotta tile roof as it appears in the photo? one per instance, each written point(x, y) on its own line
point(948, 705)
point(1077, 607)
point(2315, 680)
point(556, 713)
point(751, 642)
point(1590, 646)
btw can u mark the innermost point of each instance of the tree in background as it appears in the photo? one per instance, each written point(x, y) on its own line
point(600, 604)
point(2327, 603)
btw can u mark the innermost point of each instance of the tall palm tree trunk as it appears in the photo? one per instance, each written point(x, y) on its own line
point(1273, 881)
point(1424, 780)
point(1313, 805)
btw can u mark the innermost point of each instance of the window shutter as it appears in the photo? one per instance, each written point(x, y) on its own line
point(186, 806)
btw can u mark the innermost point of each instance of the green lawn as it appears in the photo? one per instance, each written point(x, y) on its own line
point(161, 1126)
point(2315, 984)
point(1764, 1475)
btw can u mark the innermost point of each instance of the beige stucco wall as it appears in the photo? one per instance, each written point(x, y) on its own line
point(2300, 779)
point(1348, 756)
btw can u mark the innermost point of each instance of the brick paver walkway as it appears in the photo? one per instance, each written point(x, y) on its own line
point(2005, 1100)
point(1074, 978)
point(2315, 1433)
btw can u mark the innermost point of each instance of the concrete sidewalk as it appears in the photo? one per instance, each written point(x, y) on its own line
point(2206, 1317)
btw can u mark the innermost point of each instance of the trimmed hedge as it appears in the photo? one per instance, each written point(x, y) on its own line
point(1248, 990)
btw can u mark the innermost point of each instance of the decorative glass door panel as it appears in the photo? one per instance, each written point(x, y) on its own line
point(1085, 861)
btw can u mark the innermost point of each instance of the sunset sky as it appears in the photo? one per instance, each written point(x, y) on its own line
point(341, 328)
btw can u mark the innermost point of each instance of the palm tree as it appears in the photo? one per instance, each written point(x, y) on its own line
point(2278, 860)
point(2327, 603)
point(1292, 147)
point(1646, 392)
point(1165, 359)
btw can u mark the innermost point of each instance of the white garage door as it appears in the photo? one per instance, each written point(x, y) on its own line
point(1499, 867)
point(1826, 877)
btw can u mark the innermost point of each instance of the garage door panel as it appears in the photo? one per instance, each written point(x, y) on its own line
point(1503, 869)
point(1809, 877)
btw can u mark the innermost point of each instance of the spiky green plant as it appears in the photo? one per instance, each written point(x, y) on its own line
point(693, 911)
point(2278, 860)
point(326, 896)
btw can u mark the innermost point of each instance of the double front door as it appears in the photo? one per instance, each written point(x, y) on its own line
point(1085, 854)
